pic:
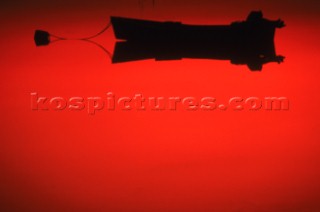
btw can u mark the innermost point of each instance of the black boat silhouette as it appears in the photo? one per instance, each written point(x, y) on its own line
point(249, 42)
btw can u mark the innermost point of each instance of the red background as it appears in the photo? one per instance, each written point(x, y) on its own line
point(156, 161)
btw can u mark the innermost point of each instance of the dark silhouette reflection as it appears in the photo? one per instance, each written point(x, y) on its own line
point(250, 42)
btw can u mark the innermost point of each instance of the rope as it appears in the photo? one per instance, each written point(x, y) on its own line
point(87, 39)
